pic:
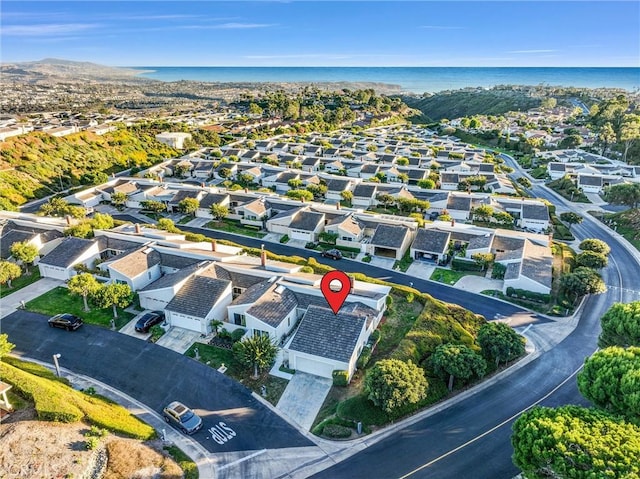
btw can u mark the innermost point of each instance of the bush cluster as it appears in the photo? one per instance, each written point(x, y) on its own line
point(530, 295)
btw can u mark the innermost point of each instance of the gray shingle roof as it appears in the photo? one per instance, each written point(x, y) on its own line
point(431, 241)
point(169, 280)
point(459, 203)
point(240, 280)
point(388, 236)
point(322, 333)
point(306, 221)
point(535, 212)
point(9, 238)
point(67, 251)
point(338, 185)
point(183, 195)
point(372, 169)
point(590, 180)
point(198, 295)
point(176, 261)
point(212, 199)
point(273, 306)
point(364, 191)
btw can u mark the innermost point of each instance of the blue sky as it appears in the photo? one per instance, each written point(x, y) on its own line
point(308, 33)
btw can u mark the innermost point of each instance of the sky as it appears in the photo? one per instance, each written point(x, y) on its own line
point(323, 33)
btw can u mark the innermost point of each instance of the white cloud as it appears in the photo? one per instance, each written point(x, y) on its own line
point(50, 29)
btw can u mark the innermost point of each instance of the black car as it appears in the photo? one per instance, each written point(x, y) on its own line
point(332, 253)
point(180, 416)
point(65, 321)
point(149, 319)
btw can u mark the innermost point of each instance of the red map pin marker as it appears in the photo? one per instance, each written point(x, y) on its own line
point(335, 298)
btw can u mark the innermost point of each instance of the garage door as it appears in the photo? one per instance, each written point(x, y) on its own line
point(186, 322)
point(300, 235)
point(311, 366)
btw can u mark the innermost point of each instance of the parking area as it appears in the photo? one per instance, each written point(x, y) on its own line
point(303, 398)
point(179, 339)
point(421, 269)
point(129, 329)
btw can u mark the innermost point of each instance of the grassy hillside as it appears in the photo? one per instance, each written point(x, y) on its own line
point(55, 400)
point(37, 164)
point(467, 103)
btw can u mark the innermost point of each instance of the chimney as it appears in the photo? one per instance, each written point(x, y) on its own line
point(213, 245)
point(246, 190)
point(351, 284)
point(263, 257)
point(302, 199)
point(68, 218)
point(453, 222)
point(338, 205)
point(138, 229)
point(202, 185)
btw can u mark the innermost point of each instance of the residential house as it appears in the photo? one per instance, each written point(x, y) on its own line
point(254, 213)
point(349, 230)
point(534, 217)
point(18, 231)
point(430, 245)
point(390, 241)
point(137, 269)
point(209, 199)
point(59, 263)
point(336, 187)
point(364, 195)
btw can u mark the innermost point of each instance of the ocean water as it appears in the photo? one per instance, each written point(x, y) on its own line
point(411, 79)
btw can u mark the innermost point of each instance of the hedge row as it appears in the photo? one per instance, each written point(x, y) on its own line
point(340, 377)
point(465, 265)
point(524, 294)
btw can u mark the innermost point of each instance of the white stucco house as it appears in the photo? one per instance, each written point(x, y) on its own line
point(60, 261)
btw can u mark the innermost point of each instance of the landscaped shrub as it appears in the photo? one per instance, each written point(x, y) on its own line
point(340, 377)
point(156, 332)
point(224, 334)
point(336, 431)
point(284, 239)
point(465, 265)
point(498, 271)
point(410, 297)
point(237, 335)
point(375, 336)
point(366, 259)
point(364, 358)
point(91, 443)
point(524, 294)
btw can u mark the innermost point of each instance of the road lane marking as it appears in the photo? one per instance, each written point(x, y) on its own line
point(526, 329)
point(471, 441)
point(239, 461)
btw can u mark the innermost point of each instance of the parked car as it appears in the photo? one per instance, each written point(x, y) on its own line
point(180, 416)
point(332, 253)
point(65, 321)
point(149, 319)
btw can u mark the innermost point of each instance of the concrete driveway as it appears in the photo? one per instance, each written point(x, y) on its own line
point(475, 284)
point(303, 398)
point(179, 339)
point(386, 263)
point(421, 269)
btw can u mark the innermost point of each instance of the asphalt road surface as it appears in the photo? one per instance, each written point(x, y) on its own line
point(156, 376)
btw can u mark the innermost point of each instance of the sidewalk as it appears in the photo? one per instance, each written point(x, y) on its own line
point(12, 302)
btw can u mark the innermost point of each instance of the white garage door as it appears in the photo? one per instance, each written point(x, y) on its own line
point(311, 366)
point(300, 235)
point(186, 322)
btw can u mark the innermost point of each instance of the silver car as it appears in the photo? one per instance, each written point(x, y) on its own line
point(180, 416)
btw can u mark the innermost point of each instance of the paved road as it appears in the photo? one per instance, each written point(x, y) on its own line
point(474, 435)
point(156, 376)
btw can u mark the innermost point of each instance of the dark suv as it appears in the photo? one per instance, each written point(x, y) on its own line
point(149, 319)
point(180, 416)
point(332, 253)
point(65, 321)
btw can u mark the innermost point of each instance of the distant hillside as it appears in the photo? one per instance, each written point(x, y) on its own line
point(461, 103)
point(33, 166)
point(53, 69)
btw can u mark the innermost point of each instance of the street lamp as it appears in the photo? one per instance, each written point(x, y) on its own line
point(57, 365)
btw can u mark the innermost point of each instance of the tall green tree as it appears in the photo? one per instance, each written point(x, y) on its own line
point(629, 133)
point(591, 259)
point(302, 195)
point(582, 281)
point(595, 245)
point(610, 379)
point(571, 218)
point(457, 361)
point(500, 342)
point(102, 221)
point(219, 212)
point(188, 206)
point(258, 352)
point(116, 295)
point(118, 198)
point(627, 194)
point(153, 205)
point(83, 285)
point(391, 384)
point(621, 325)
point(24, 252)
point(574, 442)
point(8, 272)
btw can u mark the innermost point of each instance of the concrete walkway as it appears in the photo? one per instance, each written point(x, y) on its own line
point(13, 301)
point(303, 398)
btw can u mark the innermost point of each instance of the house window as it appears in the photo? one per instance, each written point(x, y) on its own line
point(237, 292)
point(240, 212)
point(149, 274)
point(257, 332)
point(347, 238)
point(239, 319)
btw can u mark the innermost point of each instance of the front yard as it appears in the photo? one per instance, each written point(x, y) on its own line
point(231, 226)
point(59, 300)
point(448, 276)
point(215, 357)
point(21, 282)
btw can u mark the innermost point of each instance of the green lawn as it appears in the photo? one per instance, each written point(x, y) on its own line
point(395, 324)
point(187, 465)
point(21, 282)
point(231, 226)
point(404, 263)
point(185, 219)
point(447, 276)
point(214, 356)
point(59, 300)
